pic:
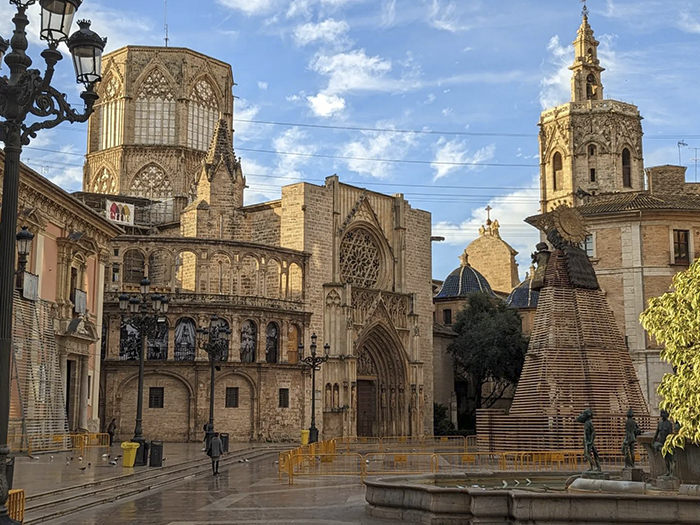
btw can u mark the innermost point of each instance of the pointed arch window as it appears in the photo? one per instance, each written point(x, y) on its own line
point(626, 168)
point(202, 115)
point(151, 182)
point(103, 182)
point(155, 111)
point(592, 163)
point(557, 166)
point(111, 111)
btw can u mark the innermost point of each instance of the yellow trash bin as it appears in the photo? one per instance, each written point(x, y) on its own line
point(129, 449)
point(304, 437)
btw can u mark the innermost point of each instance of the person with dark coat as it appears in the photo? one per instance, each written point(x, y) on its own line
point(111, 429)
point(214, 450)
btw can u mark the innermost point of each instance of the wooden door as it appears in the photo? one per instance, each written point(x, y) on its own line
point(366, 407)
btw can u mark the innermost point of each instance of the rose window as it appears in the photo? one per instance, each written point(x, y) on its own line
point(359, 258)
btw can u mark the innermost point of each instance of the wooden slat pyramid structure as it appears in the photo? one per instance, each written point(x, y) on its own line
point(577, 358)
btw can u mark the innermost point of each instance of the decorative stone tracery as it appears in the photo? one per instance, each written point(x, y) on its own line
point(360, 258)
point(151, 182)
point(103, 182)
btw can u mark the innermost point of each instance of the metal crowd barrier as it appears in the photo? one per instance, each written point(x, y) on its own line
point(326, 458)
point(69, 441)
point(15, 504)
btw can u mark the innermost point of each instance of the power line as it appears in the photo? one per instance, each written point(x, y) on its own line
point(403, 161)
point(388, 130)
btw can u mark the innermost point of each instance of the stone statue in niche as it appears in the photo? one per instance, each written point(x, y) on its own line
point(271, 343)
point(248, 342)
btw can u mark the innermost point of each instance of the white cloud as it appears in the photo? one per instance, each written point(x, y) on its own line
point(555, 88)
point(455, 151)
point(262, 85)
point(352, 71)
point(324, 105)
point(445, 16)
point(688, 23)
point(377, 145)
point(329, 31)
point(292, 140)
point(250, 7)
point(388, 12)
point(304, 8)
point(510, 210)
point(245, 131)
point(120, 27)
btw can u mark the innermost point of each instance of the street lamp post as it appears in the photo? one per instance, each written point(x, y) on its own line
point(25, 92)
point(313, 361)
point(24, 242)
point(213, 340)
point(146, 323)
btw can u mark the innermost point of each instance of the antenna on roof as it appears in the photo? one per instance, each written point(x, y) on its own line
point(165, 21)
point(680, 143)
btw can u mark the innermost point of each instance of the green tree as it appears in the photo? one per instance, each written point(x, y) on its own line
point(489, 347)
point(673, 321)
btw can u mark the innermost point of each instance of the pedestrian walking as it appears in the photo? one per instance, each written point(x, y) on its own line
point(214, 450)
point(110, 430)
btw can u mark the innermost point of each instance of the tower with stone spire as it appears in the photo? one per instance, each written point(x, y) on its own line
point(590, 144)
point(215, 210)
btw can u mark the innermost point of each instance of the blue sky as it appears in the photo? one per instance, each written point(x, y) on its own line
point(463, 80)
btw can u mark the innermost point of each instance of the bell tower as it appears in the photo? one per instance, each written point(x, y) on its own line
point(589, 145)
point(585, 80)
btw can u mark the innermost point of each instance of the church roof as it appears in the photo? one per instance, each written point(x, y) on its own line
point(638, 200)
point(462, 281)
point(523, 296)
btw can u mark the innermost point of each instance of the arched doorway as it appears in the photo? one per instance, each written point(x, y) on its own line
point(382, 408)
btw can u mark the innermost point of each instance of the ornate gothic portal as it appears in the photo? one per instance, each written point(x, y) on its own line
point(382, 402)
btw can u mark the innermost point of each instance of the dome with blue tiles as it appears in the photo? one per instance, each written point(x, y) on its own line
point(463, 280)
point(523, 296)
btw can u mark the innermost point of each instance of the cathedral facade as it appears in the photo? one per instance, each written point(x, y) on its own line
point(350, 265)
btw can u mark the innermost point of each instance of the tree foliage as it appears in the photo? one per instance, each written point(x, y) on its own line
point(489, 346)
point(673, 320)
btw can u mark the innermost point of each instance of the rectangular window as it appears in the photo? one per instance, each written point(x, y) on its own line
point(447, 316)
point(155, 397)
point(680, 247)
point(592, 174)
point(115, 272)
point(232, 397)
point(284, 398)
point(588, 246)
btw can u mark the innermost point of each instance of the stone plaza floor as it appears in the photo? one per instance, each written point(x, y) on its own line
point(246, 493)
point(46, 472)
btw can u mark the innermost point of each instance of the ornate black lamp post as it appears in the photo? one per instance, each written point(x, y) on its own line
point(313, 361)
point(147, 325)
point(25, 93)
point(213, 340)
point(24, 244)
